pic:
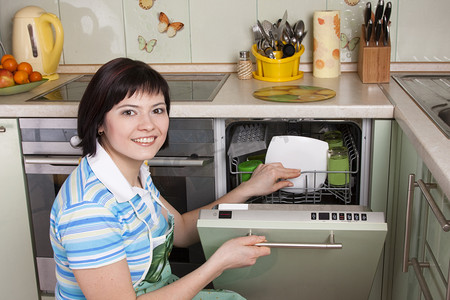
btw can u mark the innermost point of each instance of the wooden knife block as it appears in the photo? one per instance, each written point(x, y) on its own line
point(374, 62)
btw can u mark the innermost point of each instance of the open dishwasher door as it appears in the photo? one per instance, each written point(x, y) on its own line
point(318, 251)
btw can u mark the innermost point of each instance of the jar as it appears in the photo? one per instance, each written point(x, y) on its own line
point(333, 138)
point(247, 167)
point(245, 66)
point(338, 161)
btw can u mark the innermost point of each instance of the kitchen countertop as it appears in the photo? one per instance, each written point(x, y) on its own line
point(235, 100)
point(353, 100)
point(430, 143)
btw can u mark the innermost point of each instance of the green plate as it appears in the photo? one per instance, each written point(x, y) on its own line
point(294, 93)
point(20, 88)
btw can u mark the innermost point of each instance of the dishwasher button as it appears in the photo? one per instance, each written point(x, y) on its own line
point(349, 216)
point(225, 214)
point(313, 216)
point(363, 217)
point(334, 216)
point(341, 217)
point(356, 217)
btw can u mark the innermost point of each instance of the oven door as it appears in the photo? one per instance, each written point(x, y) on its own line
point(317, 252)
point(186, 182)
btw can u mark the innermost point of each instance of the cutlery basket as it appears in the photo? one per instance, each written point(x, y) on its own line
point(277, 70)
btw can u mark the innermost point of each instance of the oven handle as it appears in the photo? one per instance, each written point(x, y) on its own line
point(155, 162)
point(330, 245)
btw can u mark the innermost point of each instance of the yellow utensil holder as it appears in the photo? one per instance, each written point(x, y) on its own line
point(278, 69)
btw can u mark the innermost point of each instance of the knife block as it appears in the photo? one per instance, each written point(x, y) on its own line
point(374, 62)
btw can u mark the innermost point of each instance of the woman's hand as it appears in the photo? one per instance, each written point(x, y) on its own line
point(268, 178)
point(239, 252)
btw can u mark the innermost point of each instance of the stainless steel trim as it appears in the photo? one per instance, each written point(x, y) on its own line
point(330, 245)
point(155, 162)
point(2, 129)
point(422, 283)
point(445, 224)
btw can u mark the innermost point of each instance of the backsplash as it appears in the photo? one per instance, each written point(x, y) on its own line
point(212, 31)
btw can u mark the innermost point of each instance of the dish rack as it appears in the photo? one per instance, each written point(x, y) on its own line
point(250, 141)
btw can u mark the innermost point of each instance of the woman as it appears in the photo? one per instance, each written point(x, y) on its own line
point(111, 230)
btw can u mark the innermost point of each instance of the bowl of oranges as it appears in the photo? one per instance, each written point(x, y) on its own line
point(17, 77)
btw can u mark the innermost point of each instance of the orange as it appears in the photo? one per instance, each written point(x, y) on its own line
point(24, 66)
point(10, 64)
point(5, 57)
point(35, 76)
point(21, 77)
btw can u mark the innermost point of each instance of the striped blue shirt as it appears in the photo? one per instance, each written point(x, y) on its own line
point(97, 219)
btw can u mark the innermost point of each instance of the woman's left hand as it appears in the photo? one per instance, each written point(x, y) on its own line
point(268, 178)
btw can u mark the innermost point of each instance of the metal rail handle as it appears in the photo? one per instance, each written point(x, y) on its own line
point(330, 245)
point(445, 225)
point(154, 162)
point(2, 129)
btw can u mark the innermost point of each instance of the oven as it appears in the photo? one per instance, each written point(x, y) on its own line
point(184, 172)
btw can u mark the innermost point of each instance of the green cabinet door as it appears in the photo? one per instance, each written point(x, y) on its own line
point(17, 275)
point(429, 244)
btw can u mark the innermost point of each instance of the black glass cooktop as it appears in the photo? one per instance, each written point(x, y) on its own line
point(183, 87)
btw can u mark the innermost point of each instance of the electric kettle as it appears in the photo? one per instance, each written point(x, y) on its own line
point(37, 38)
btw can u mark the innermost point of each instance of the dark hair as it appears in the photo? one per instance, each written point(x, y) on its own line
point(113, 82)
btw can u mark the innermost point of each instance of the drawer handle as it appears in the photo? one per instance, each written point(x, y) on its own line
point(330, 245)
point(2, 129)
point(445, 225)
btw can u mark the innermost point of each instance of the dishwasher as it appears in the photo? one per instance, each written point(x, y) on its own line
point(325, 242)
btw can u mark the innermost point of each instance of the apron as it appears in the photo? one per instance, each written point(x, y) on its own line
point(160, 274)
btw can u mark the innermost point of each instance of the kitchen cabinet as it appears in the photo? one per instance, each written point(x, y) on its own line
point(16, 254)
point(428, 242)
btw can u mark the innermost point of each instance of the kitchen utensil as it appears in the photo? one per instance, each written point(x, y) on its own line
point(20, 88)
point(367, 13)
point(385, 31)
point(263, 33)
point(288, 50)
point(368, 31)
point(299, 152)
point(38, 39)
point(379, 11)
point(387, 11)
point(378, 27)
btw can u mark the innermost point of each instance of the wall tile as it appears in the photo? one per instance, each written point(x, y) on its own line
point(144, 23)
point(297, 10)
point(423, 30)
point(220, 29)
point(93, 30)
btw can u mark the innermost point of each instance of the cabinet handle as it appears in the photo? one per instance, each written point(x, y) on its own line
point(445, 225)
point(2, 129)
point(330, 245)
point(422, 282)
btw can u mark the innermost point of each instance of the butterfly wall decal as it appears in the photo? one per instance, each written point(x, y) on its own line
point(146, 46)
point(350, 44)
point(165, 25)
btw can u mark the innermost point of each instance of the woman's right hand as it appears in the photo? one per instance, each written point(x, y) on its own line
point(239, 252)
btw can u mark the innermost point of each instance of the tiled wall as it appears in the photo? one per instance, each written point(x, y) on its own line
point(215, 31)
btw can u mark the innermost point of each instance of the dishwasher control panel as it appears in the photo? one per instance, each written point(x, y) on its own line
point(293, 213)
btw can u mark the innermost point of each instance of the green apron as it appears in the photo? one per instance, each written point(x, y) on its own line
point(160, 274)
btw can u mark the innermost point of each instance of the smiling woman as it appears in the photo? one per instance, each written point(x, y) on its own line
point(111, 230)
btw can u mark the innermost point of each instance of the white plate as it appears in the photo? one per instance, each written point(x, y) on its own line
point(299, 152)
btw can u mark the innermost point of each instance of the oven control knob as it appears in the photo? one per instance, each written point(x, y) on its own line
point(75, 141)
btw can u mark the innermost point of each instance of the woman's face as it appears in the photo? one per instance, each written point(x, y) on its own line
point(135, 129)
